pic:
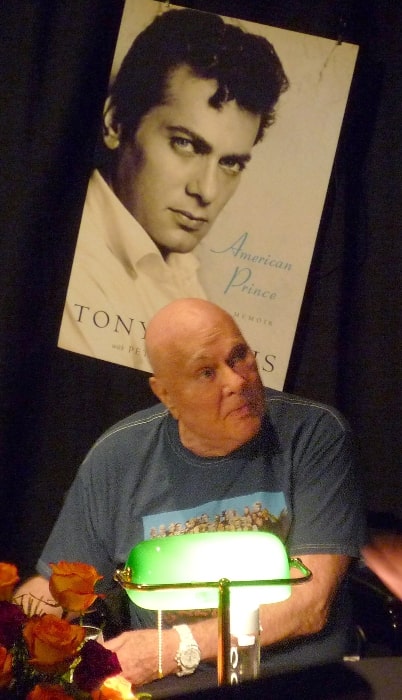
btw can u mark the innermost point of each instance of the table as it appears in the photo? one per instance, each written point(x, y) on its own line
point(377, 678)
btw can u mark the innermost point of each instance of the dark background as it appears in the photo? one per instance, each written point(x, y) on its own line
point(55, 58)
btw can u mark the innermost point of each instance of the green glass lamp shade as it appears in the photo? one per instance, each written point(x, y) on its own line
point(203, 558)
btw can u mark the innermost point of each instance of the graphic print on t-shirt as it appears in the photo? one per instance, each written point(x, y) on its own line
point(258, 511)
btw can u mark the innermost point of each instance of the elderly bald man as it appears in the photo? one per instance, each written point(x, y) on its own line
point(218, 446)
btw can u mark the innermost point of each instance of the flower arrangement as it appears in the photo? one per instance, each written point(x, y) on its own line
point(46, 657)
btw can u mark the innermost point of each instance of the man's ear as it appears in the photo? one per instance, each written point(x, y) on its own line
point(162, 393)
point(111, 131)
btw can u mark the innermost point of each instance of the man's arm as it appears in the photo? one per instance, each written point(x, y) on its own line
point(34, 595)
point(304, 613)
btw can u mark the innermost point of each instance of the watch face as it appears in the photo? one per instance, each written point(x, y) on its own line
point(190, 657)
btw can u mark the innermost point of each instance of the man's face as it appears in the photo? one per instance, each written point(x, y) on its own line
point(214, 389)
point(184, 162)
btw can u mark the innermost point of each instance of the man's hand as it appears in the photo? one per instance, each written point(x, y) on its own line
point(35, 597)
point(137, 652)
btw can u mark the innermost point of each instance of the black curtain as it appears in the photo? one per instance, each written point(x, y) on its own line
point(55, 58)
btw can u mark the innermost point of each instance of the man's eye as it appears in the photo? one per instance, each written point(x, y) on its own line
point(233, 166)
point(242, 354)
point(207, 373)
point(182, 145)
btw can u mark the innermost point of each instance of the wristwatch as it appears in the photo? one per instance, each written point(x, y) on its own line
point(188, 655)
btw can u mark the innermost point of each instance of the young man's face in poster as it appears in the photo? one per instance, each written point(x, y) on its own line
point(184, 162)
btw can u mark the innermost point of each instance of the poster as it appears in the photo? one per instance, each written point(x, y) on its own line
point(255, 258)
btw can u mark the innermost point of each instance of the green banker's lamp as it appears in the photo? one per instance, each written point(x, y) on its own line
point(235, 572)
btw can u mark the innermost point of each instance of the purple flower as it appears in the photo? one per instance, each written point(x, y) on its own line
point(97, 663)
point(12, 618)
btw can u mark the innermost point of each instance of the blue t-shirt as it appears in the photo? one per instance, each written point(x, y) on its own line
point(295, 479)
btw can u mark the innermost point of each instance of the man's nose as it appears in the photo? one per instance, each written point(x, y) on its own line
point(203, 182)
point(232, 380)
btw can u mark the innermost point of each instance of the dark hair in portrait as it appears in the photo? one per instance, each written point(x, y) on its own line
point(245, 67)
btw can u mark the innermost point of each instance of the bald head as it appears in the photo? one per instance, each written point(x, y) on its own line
point(168, 331)
point(206, 375)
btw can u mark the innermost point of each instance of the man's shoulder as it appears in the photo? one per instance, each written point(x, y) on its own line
point(148, 419)
point(286, 406)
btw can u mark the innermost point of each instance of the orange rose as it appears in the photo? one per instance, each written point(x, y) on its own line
point(48, 692)
point(6, 667)
point(114, 688)
point(8, 580)
point(105, 693)
point(52, 642)
point(72, 585)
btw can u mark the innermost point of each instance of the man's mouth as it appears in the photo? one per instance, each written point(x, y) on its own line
point(243, 410)
point(249, 406)
point(189, 221)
